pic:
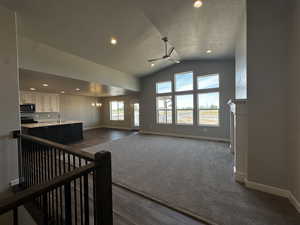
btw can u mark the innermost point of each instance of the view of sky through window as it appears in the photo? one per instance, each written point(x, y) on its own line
point(207, 82)
point(184, 81)
point(163, 87)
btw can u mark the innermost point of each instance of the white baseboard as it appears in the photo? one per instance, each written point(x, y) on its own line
point(268, 189)
point(91, 128)
point(294, 201)
point(239, 177)
point(117, 127)
point(186, 136)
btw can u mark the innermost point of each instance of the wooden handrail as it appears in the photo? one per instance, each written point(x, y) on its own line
point(64, 148)
point(27, 195)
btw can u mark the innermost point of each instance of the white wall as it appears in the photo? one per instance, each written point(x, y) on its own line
point(294, 104)
point(127, 123)
point(9, 98)
point(267, 44)
point(80, 108)
point(241, 60)
point(40, 57)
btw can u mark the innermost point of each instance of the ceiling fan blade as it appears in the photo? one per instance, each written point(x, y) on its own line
point(152, 60)
point(171, 51)
point(174, 60)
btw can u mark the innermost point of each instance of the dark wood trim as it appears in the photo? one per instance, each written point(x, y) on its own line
point(64, 148)
point(36, 191)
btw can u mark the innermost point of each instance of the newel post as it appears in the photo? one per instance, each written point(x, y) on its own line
point(103, 189)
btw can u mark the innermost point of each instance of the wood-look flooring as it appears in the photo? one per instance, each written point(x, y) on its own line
point(131, 208)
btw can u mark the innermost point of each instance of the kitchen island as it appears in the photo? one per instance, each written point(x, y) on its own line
point(63, 132)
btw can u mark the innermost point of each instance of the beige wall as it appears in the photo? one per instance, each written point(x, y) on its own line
point(241, 60)
point(267, 44)
point(9, 98)
point(293, 100)
point(128, 120)
point(74, 107)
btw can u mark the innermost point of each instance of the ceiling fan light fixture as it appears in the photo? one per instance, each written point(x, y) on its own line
point(209, 51)
point(152, 64)
point(198, 3)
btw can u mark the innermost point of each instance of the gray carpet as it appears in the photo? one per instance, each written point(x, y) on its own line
point(196, 176)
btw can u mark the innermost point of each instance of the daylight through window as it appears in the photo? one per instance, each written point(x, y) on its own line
point(117, 110)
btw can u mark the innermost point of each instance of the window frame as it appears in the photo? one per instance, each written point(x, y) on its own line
point(118, 108)
point(207, 91)
point(165, 109)
point(193, 110)
point(193, 85)
point(160, 82)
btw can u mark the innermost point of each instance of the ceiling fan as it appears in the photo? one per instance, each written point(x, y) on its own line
point(168, 53)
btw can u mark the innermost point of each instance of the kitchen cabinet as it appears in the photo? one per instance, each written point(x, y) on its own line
point(64, 133)
point(44, 102)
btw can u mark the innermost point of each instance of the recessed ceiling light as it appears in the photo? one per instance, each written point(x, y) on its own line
point(198, 4)
point(152, 64)
point(113, 41)
point(32, 89)
point(45, 85)
point(208, 51)
point(62, 92)
point(77, 89)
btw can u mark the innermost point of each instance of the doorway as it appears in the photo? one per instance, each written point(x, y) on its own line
point(136, 115)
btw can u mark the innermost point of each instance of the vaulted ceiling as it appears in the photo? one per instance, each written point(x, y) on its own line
point(84, 28)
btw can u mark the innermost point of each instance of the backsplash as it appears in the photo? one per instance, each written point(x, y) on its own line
point(43, 116)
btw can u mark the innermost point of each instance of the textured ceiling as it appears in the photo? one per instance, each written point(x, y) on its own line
point(84, 28)
point(32, 79)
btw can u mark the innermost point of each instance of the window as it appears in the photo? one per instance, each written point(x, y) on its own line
point(163, 87)
point(164, 110)
point(117, 110)
point(184, 109)
point(208, 81)
point(184, 81)
point(208, 107)
point(136, 115)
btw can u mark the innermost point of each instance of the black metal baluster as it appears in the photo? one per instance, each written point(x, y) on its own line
point(15, 216)
point(94, 194)
point(86, 199)
point(69, 163)
point(80, 190)
point(45, 209)
point(75, 192)
point(56, 190)
point(68, 204)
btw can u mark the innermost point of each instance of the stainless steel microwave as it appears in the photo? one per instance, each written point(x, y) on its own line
point(27, 108)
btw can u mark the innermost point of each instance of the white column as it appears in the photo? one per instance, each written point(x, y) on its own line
point(239, 137)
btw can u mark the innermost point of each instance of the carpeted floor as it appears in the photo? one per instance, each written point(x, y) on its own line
point(195, 176)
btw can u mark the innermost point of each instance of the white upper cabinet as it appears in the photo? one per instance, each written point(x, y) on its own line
point(44, 102)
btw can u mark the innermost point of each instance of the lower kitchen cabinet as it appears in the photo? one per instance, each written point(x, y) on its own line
point(63, 134)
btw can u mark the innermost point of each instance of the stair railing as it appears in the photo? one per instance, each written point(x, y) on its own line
point(67, 185)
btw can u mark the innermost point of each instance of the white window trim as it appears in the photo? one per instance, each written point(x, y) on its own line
point(192, 90)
